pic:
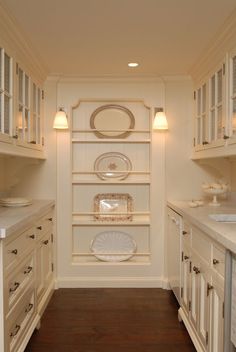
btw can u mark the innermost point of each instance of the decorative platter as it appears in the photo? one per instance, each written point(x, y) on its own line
point(113, 246)
point(112, 121)
point(108, 166)
point(15, 202)
point(113, 207)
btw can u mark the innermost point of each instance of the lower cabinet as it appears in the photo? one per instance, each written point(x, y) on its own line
point(27, 282)
point(202, 291)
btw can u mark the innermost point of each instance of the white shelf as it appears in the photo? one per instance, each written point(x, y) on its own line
point(111, 141)
point(114, 172)
point(91, 130)
point(117, 182)
point(109, 223)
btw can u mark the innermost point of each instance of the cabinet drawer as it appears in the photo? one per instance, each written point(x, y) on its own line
point(218, 259)
point(15, 250)
point(19, 320)
point(201, 244)
point(44, 224)
point(18, 281)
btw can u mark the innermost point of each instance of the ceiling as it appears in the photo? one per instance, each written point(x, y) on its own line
point(99, 37)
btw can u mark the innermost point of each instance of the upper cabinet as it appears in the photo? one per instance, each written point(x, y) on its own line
point(232, 97)
point(22, 75)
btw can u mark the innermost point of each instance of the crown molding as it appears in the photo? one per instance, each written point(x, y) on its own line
point(223, 41)
point(19, 46)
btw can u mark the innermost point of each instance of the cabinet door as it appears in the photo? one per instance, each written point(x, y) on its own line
point(232, 102)
point(194, 291)
point(185, 278)
point(217, 315)
point(201, 130)
point(44, 264)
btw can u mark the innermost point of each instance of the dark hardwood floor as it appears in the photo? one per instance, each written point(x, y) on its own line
point(111, 320)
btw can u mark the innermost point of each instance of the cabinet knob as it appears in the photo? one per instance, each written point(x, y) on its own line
point(205, 142)
point(196, 270)
point(215, 261)
point(15, 136)
point(186, 257)
point(28, 309)
point(28, 270)
point(14, 251)
point(45, 242)
point(32, 236)
point(184, 232)
point(49, 219)
point(225, 136)
point(39, 227)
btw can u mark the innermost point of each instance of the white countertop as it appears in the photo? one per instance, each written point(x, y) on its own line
point(17, 218)
point(224, 233)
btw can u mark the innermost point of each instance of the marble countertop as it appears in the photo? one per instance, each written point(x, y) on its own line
point(18, 218)
point(224, 233)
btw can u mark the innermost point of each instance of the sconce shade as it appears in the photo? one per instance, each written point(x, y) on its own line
point(160, 121)
point(60, 120)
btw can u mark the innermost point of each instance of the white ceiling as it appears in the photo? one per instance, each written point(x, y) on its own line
point(99, 37)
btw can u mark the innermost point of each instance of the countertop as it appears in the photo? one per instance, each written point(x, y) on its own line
point(224, 233)
point(18, 218)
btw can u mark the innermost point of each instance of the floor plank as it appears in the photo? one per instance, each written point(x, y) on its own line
point(111, 320)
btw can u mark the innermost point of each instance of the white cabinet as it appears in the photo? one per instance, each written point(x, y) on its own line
point(110, 159)
point(26, 278)
point(202, 293)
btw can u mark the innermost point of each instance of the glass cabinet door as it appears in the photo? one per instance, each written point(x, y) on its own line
point(232, 104)
point(23, 113)
point(5, 94)
point(201, 117)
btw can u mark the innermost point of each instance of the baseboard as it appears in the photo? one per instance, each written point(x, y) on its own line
point(190, 330)
point(93, 282)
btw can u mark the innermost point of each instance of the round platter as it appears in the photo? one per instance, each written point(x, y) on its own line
point(15, 202)
point(120, 245)
point(108, 166)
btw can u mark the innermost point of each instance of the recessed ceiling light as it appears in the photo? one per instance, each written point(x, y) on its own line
point(132, 64)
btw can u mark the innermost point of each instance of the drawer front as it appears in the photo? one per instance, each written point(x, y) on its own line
point(18, 282)
point(201, 244)
point(18, 247)
point(218, 259)
point(18, 322)
point(44, 225)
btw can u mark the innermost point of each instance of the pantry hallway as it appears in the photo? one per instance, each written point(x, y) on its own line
point(111, 320)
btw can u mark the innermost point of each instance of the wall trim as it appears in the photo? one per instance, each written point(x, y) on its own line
point(126, 282)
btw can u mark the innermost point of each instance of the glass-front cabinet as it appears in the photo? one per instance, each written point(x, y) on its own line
point(6, 96)
point(210, 111)
point(232, 97)
point(20, 109)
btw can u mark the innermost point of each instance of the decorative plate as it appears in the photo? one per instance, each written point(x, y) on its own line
point(15, 202)
point(108, 166)
point(113, 246)
point(113, 206)
point(112, 121)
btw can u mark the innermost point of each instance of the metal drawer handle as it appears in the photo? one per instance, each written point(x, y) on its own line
point(45, 242)
point(14, 251)
point(215, 261)
point(197, 271)
point(16, 285)
point(28, 309)
point(15, 332)
point(186, 257)
point(39, 227)
point(209, 288)
point(184, 232)
point(28, 270)
point(32, 236)
point(49, 219)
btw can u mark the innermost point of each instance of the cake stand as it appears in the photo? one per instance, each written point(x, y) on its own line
point(215, 192)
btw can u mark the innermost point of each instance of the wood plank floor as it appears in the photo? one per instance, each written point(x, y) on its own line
point(111, 320)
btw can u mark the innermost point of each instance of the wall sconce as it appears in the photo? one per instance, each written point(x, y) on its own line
point(60, 120)
point(160, 121)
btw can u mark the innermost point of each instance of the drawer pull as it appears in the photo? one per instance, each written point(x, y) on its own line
point(14, 251)
point(186, 257)
point(28, 270)
point(32, 236)
point(16, 285)
point(215, 261)
point(39, 227)
point(184, 232)
point(15, 332)
point(45, 242)
point(209, 288)
point(197, 271)
point(49, 219)
point(28, 309)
